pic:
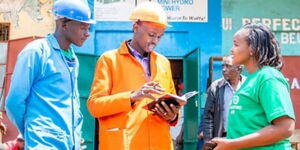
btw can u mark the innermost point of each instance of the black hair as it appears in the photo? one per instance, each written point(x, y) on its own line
point(65, 20)
point(265, 47)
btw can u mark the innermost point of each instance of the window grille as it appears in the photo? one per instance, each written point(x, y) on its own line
point(4, 31)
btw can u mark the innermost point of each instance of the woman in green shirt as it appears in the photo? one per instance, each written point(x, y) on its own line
point(261, 115)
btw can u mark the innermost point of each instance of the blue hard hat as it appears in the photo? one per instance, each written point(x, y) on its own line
point(74, 10)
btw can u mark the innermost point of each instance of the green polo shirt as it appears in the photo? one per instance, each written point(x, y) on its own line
point(68, 54)
point(263, 97)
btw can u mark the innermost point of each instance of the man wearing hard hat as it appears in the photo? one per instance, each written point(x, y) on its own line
point(128, 78)
point(43, 100)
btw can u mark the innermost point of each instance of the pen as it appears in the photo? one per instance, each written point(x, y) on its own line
point(155, 84)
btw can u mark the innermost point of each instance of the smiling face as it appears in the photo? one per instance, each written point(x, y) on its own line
point(146, 36)
point(241, 50)
point(256, 46)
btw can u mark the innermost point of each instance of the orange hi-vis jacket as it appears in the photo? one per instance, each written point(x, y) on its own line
point(122, 126)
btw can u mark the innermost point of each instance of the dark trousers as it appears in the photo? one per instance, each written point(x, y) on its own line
point(200, 144)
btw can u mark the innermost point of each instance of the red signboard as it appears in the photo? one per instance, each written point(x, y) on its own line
point(292, 73)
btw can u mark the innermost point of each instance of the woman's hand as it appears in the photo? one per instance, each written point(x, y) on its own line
point(223, 144)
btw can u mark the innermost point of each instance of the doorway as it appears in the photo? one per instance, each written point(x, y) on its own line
point(177, 74)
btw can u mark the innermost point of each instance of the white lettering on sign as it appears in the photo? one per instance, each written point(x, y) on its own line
point(286, 29)
point(227, 23)
point(290, 37)
point(285, 24)
point(276, 24)
point(266, 21)
point(294, 83)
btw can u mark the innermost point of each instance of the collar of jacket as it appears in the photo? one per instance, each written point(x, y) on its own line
point(54, 43)
point(125, 51)
point(223, 81)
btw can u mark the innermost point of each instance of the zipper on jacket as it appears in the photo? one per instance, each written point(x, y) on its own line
point(72, 96)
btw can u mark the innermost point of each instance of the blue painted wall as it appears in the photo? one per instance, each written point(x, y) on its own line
point(178, 40)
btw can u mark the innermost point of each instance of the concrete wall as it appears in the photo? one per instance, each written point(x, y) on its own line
point(27, 17)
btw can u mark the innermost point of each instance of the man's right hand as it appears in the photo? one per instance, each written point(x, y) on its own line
point(146, 91)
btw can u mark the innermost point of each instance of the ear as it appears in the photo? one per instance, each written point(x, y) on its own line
point(64, 26)
point(240, 69)
point(135, 27)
